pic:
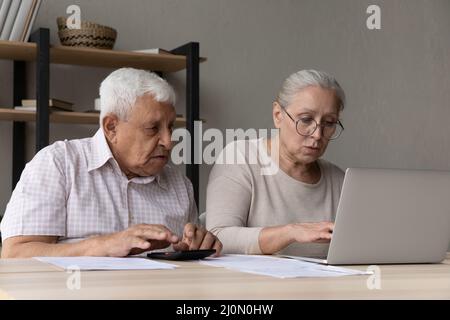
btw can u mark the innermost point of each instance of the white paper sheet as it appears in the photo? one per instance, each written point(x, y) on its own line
point(278, 267)
point(105, 263)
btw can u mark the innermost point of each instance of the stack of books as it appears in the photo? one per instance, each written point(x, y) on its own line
point(54, 104)
point(17, 18)
point(154, 51)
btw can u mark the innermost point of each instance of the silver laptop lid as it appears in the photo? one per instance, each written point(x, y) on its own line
point(392, 216)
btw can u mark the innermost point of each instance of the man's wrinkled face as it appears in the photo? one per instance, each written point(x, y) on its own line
point(141, 144)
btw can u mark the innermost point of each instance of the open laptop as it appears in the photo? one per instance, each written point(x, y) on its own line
point(390, 216)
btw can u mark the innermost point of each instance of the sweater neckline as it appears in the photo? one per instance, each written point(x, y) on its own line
point(282, 173)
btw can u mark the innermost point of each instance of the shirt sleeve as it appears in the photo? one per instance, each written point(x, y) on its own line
point(38, 203)
point(228, 201)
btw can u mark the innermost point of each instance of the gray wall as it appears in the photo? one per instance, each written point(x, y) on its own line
point(397, 79)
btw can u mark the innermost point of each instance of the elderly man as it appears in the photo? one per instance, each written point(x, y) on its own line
point(112, 194)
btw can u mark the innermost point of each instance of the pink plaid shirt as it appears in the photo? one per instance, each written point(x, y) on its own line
point(75, 190)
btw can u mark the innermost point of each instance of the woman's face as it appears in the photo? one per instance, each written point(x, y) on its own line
point(309, 103)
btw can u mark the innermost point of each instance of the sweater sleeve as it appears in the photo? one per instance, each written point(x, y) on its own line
point(228, 200)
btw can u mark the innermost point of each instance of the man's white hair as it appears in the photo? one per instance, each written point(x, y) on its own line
point(306, 78)
point(120, 90)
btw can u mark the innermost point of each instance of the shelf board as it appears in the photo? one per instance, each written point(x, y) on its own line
point(61, 117)
point(20, 51)
point(26, 51)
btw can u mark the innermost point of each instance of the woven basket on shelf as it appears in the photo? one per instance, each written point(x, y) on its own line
point(91, 35)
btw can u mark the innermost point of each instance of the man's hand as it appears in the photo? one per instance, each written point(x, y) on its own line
point(135, 240)
point(198, 238)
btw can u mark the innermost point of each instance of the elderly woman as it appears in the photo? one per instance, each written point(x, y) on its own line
point(288, 210)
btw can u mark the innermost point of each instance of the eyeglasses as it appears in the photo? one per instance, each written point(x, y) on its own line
point(306, 126)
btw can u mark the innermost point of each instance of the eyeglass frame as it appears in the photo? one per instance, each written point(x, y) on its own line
point(317, 125)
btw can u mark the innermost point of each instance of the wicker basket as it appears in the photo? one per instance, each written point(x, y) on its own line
point(91, 35)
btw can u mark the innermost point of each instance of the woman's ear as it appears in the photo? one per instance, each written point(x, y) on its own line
point(110, 123)
point(277, 114)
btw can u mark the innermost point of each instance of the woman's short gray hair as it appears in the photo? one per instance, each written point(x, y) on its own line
point(120, 90)
point(305, 78)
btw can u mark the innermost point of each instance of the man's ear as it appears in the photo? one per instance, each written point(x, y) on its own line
point(110, 123)
point(277, 114)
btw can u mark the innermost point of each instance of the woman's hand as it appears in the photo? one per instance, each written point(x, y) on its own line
point(274, 239)
point(319, 232)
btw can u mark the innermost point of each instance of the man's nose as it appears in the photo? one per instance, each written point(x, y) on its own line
point(165, 139)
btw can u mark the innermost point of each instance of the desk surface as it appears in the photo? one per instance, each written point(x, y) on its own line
point(31, 279)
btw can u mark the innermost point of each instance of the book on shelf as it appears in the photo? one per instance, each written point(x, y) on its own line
point(30, 20)
point(17, 18)
point(4, 8)
point(154, 51)
point(22, 108)
point(10, 18)
point(21, 20)
point(55, 103)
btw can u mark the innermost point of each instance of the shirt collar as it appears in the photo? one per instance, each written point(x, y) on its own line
point(100, 151)
point(160, 179)
point(101, 154)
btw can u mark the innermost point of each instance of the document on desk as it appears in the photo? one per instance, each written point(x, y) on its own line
point(105, 263)
point(278, 267)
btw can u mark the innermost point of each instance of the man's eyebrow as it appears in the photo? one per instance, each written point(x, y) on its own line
point(151, 123)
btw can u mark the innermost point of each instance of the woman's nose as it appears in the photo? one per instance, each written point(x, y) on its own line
point(318, 133)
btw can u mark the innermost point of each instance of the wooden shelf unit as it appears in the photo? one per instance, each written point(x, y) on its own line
point(185, 57)
point(25, 51)
point(61, 117)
